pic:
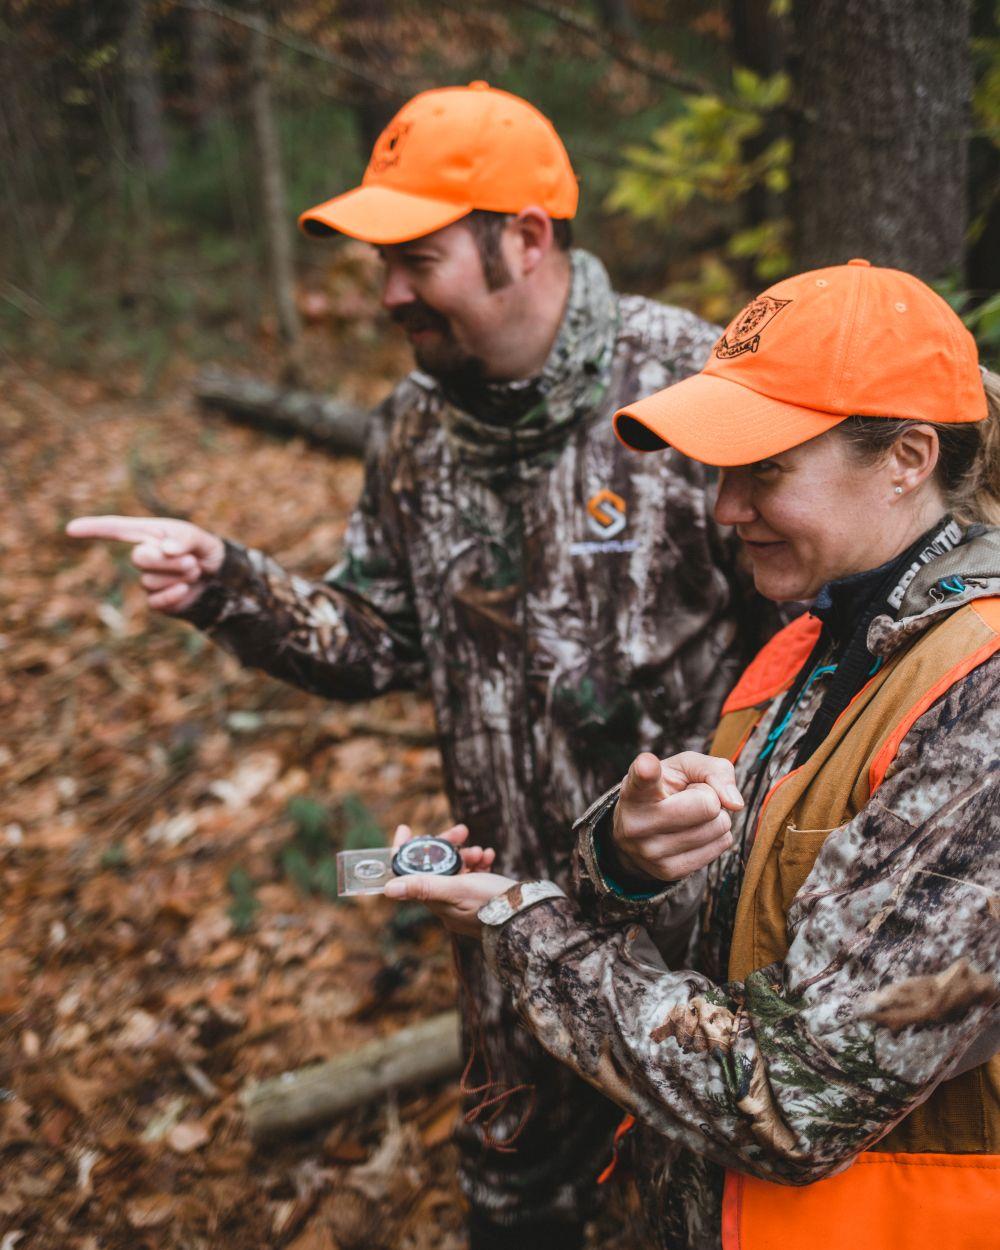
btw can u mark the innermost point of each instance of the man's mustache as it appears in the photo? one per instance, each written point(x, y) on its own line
point(418, 316)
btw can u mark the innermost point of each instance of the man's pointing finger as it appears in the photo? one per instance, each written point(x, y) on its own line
point(123, 529)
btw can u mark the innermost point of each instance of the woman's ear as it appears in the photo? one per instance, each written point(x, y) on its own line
point(913, 458)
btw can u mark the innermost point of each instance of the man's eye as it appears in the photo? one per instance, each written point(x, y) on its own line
point(765, 467)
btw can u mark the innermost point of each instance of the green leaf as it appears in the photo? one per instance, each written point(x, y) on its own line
point(311, 820)
point(325, 877)
point(245, 905)
point(361, 830)
point(297, 868)
point(114, 856)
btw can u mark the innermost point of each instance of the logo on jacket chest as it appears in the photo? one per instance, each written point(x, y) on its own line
point(607, 517)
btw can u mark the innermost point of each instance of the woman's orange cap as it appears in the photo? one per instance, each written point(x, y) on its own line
point(852, 340)
point(445, 153)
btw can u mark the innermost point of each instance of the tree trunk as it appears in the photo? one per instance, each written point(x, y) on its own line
point(618, 19)
point(368, 39)
point(202, 37)
point(759, 44)
point(882, 136)
point(278, 226)
point(142, 85)
point(982, 262)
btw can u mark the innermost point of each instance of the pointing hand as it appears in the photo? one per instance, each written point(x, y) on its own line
point(174, 557)
point(673, 815)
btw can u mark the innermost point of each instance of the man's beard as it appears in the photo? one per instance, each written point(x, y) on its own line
point(442, 358)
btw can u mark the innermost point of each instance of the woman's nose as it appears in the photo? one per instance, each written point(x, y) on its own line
point(733, 502)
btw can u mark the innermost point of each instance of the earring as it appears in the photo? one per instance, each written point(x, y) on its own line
point(898, 490)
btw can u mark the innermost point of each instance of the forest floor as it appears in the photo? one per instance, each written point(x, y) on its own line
point(167, 824)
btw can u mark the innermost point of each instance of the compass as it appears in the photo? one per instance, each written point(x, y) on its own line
point(432, 855)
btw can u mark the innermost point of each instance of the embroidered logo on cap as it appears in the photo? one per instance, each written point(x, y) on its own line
point(386, 151)
point(745, 330)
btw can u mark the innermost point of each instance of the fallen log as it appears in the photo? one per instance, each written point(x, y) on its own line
point(424, 1052)
point(330, 423)
point(335, 727)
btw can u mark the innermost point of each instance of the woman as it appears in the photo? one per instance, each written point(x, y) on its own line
point(821, 1070)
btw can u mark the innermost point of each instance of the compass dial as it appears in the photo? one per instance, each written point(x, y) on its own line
point(426, 855)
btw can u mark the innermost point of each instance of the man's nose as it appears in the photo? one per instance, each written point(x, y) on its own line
point(733, 500)
point(396, 289)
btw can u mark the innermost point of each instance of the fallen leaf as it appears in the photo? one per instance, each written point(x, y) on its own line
point(165, 1119)
point(140, 1029)
point(315, 1237)
point(254, 774)
point(150, 1212)
point(83, 1095)
point(187, 1136)
point(440, 1127)
point(172, 831)
point(14, 1126)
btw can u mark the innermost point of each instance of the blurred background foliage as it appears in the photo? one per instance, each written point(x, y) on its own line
point(131, 221)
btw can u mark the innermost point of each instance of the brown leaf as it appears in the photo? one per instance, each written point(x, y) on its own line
point(139, 1030)
point(187, 1136)
point(82, 1095)
point(150, 1212)
point(355, 1220)
point(437, 1124)
point(315, 1237)
point(932, 999)
point(14, 1124)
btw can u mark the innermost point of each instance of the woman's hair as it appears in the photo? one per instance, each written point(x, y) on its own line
point(968, 467)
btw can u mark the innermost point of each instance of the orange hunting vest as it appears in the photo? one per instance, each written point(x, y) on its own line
point(933, 1182)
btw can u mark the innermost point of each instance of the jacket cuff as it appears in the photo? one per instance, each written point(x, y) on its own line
point(627, 897)
point(505, 907)
point(220, 589)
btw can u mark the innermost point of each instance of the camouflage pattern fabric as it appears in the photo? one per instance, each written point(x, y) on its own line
point(891, 983)
point(567, 601)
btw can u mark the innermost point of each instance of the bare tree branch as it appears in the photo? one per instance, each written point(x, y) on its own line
point(303, 46)
point(619, 49)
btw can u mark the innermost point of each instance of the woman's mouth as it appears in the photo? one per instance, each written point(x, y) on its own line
point(764, 549)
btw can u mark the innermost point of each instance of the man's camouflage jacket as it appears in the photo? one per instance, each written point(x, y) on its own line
point(568, 602)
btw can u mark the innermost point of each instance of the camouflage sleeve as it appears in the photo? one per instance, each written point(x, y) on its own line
point(890, 984)
point(352, 634)
point(667, 910)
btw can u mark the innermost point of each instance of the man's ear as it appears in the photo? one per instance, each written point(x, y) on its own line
point(531, 237)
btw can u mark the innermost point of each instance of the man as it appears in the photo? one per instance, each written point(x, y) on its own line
point(568, 602)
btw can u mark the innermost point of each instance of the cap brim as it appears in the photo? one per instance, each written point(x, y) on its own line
point(381, 215)
point(718, 422)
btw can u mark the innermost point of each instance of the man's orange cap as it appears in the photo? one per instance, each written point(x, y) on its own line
point(445, 153)
point(811, 351)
